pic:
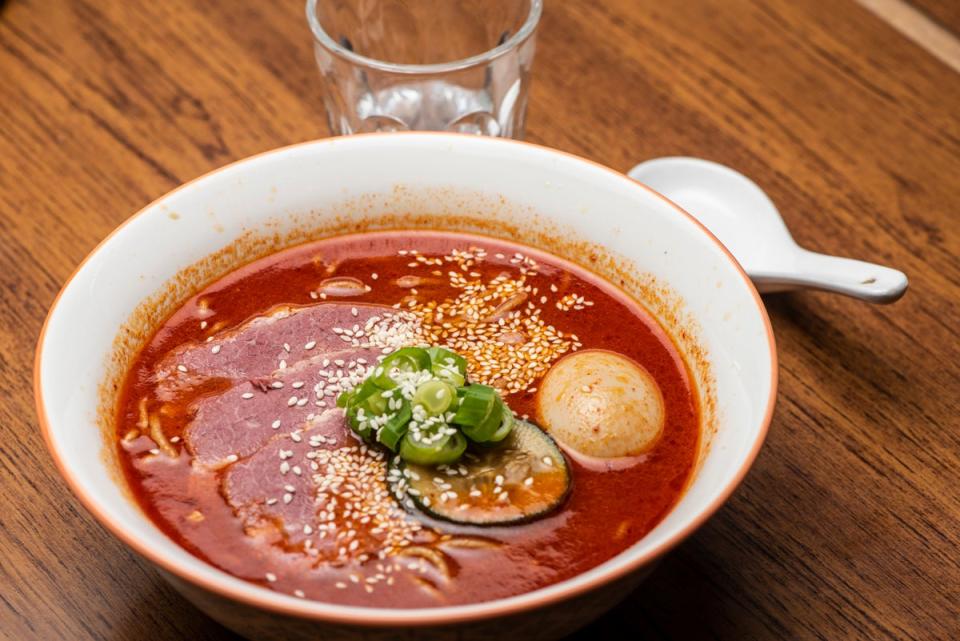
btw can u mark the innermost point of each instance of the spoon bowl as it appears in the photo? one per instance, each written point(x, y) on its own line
point(743, 218)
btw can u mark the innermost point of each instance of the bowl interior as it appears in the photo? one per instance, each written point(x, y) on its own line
point(528, 193)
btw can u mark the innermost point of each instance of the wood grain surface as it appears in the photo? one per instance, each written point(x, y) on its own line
point(847, 527)
point(946, 14)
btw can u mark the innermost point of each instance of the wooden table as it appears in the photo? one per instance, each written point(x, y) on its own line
point(847, 527)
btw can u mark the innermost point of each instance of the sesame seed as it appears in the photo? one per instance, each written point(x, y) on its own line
point(181, 368)
point(247, 395)
point(215, 349)
point(271, 577)
point(276, 424)
point(299, 593)
point(232, 458)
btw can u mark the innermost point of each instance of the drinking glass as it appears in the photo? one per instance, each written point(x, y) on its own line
point(441, 65)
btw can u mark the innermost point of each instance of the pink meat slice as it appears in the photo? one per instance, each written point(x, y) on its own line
point(256, 350)
point(275, 363)
point(250, 483)
point(241, 420)
point(285, 370)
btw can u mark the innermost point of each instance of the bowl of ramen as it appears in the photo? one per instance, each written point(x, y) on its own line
point(420, 385)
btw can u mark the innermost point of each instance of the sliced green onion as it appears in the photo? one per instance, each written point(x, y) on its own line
point(435, 396)
point(361, 428)
point(456, 412)
point(475, 405)
point(448, 365)
point(506, 424)
point(440, 452)
point(406, 359)
point(484, 431)
point(395, 429)
point(370, 397)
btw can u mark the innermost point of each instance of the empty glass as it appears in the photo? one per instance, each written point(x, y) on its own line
point(442, 65)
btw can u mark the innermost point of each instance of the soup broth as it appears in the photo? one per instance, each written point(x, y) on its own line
point(232, 443)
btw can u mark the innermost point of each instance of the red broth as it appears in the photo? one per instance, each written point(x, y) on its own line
point(605, 513)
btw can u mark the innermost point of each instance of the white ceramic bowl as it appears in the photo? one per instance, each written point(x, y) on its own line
point(559, 202)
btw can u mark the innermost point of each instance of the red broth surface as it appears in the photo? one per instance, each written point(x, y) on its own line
point(606, 511)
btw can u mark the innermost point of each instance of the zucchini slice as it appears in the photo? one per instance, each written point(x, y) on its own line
point(522, 478)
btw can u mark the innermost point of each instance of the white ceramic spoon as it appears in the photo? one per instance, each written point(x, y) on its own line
point(741, 215)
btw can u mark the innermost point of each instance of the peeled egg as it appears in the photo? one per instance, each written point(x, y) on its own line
point(601, 404)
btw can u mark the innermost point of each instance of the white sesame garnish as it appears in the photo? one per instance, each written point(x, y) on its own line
point(215, 349)
point(247, 395)
point(182, 368)
point(287, 497)
point(310, 345)
point(271, 577)
point(299, 593)
point(232, 458)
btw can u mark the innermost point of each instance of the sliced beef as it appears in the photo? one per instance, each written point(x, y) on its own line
point(275, 368)
point(241, 420)
point(266, 486)
point(270, 343)
point(281, 374)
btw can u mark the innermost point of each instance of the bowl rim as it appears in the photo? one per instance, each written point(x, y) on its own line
point(363, 616)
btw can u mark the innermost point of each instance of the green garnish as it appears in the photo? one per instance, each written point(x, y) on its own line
point(418, 403)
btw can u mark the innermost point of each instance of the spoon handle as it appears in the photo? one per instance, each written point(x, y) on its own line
point(856, 278)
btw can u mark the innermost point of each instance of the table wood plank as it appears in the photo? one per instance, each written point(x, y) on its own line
point(946, 13)
point(847, 527)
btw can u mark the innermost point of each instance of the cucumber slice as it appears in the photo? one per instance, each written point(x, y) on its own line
point(521, 479)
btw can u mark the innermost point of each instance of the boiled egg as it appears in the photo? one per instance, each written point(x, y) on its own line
point(601, 404)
